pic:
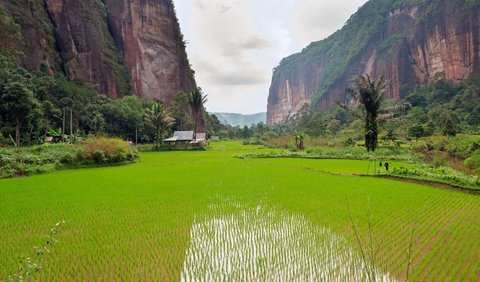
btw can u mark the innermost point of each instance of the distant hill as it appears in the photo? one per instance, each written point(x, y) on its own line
point(240, 119)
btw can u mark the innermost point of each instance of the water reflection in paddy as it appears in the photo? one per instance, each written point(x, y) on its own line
point(262, 244)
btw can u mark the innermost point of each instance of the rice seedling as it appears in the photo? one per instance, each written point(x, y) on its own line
point(162, 219)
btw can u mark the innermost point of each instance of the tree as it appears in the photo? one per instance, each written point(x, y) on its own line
point(299, 137)
point(159, 119)
point(67, 104)
point(449, 128)
point(135, 113)
point(333, 126)
point(369, 95)
point(197, 101)
point(416, 131)
point(19, 107)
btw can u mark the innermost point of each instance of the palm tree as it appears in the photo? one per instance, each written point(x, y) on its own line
point(197, 100)
point(159, 119)
point(369, 95)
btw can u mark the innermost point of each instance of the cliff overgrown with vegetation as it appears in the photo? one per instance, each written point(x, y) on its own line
point(338, 50)
point(395, 38)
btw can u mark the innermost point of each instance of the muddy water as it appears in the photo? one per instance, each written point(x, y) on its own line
point(263, 244)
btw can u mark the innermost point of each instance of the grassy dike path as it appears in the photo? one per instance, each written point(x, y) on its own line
point(205, 214)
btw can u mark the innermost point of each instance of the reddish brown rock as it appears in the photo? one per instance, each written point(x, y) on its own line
point(152, 45)
point(116, 47)
point(447, 44)
point(82, 43)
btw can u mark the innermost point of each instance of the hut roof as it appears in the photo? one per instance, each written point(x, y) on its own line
point(180, 136)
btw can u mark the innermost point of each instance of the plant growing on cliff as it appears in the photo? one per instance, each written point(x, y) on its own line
point(197, 101)
point(368, 95)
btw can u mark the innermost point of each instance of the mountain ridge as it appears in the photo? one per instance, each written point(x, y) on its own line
point(241, 120)
point(410, 42)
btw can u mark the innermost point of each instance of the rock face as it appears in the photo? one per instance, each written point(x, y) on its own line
point(409, 45)
point(117, 47)
point(152, 46)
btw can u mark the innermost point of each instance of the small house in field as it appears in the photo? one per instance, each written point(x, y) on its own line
point(200, 139)
point(185, 139)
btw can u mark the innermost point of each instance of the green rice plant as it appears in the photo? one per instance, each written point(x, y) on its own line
point(136, 222)
point(30, 266)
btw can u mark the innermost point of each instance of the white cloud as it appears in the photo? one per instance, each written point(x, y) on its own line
point(234, 45)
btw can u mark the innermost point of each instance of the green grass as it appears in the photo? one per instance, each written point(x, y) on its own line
point(133, 222)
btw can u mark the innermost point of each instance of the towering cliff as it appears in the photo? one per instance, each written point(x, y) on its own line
point(116, 47)
point(410, 42)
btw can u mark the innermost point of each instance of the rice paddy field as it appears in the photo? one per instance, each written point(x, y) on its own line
point(205, 215)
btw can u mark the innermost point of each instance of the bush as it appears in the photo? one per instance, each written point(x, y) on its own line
point(103, 150)
point(440, 174)
point(22, 161)
point(474, 162)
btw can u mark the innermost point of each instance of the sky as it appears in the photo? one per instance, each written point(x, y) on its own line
point(233, 45)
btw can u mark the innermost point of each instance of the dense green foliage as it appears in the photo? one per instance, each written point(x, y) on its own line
point(142, 215)
point(32, 104)
point(446, 107)
point(22, 161)
point(9, 33)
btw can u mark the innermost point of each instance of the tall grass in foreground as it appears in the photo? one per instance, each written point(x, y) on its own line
point(30, 265)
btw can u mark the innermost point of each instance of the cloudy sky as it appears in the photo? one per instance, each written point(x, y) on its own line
point(233, 45)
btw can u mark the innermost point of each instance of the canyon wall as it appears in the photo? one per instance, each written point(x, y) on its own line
point(117, 47)
point(410, 45)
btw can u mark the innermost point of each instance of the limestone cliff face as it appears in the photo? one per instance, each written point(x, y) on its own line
point(117, 47)
point(408, 46)
point(152, 46)
point(37, 34)
point(82, 41)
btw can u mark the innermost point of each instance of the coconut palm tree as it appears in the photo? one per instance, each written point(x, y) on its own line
point(159, 119)
point(197, 100)
point(368, 95)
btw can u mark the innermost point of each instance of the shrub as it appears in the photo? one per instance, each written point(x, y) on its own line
point(22, 161)
point(441, 174)
point(349, 143)
point(101, 150)
point(474, 162)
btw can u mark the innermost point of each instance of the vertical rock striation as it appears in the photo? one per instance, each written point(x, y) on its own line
point(83, 43)
point(116, 47)
point(409, 45)
point(152, 45)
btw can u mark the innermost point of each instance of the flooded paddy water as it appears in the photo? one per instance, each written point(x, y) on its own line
point(264, 244)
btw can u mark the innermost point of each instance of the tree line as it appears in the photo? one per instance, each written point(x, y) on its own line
point(35, 105)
